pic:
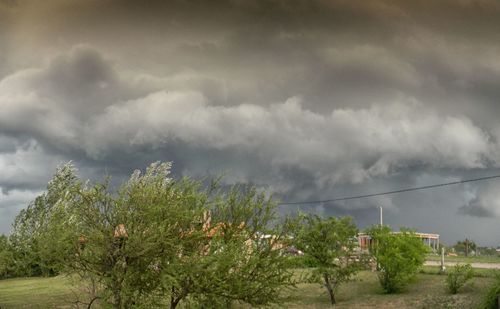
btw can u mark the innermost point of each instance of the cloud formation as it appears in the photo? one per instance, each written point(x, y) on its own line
point(484, 201)
point(308, 99)
point(79, 102)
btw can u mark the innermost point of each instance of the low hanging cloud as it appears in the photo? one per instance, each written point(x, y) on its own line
point(80, 102)
point(355, 144)
point(484, 201)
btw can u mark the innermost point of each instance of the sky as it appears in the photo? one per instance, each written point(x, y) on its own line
point(308, 100)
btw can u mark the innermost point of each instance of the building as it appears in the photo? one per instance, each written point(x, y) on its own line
point(431, 240)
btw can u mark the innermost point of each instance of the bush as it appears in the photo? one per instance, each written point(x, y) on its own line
point(399, 256)
point(491, 299)
point(458, 276)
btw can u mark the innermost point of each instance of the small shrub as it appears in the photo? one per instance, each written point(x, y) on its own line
point(458, 276)
point(491, 299)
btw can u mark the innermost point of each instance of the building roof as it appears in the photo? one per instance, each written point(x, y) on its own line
point(420, 235)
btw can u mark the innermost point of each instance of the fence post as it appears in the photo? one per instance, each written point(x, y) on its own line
point(443, 268)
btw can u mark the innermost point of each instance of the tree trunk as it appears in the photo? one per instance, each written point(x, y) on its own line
point(92, 301)
point(466, 247)
point(174, 301)
point(117, 299)
point(329, 288)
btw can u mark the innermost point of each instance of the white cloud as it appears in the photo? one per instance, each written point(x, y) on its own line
point(346, 145)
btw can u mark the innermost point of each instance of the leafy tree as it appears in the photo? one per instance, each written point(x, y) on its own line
point(34, 249)
point(158, 242)
point(488, 251)
point(458, 276)
point(465, 247)
point(331, 243)
point(398, 256)
point(7, 268)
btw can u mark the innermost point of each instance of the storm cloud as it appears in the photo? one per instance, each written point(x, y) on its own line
point(307, 99)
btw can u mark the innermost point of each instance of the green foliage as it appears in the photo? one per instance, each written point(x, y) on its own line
point(33, 246)
point(159, 242)
point(398, 255)
point(490, 301)
point(7, 263)
point(458, 276)
point(487, 252)
point(302, 262)
point(331, 244)
point(460, 247)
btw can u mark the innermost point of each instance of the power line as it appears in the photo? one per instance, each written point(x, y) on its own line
point(390, 192)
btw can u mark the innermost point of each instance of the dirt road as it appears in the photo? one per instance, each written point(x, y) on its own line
point(474, 265)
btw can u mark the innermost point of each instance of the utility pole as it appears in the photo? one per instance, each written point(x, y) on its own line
point(381, 217)
point(466, 247)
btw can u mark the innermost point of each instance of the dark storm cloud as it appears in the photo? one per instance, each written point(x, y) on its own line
point(484, 201)
point(309, 99)
point(333, 53)
point(4, 32)
point(476, 209)
point(346, 145)
point(26, 167)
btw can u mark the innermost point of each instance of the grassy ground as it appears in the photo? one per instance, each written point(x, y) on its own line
point(428, 291)
point(36, 293)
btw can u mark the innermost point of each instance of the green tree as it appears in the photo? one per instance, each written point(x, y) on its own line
point(465, 247)
point(398, 256)
point(7, 267)
point(35, 252)
point(486, 251)
point(331, 244)
point(158, 242)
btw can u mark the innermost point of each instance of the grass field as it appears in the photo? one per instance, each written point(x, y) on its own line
point(56, 292)
point(428, 291)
